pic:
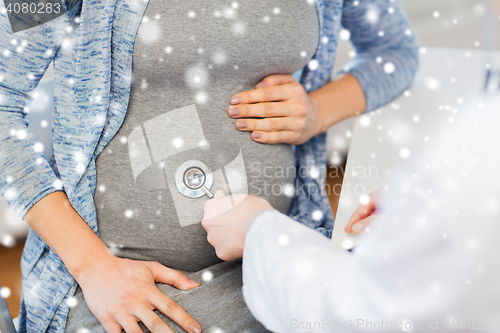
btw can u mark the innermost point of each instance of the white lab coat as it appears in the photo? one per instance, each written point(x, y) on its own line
point(431, 259)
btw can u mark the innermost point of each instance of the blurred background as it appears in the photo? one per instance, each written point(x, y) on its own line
point(441, 23)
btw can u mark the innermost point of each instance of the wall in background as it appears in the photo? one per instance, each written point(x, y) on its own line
point(443, 23)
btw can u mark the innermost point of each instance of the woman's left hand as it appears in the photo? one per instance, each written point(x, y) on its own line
point(285, 111)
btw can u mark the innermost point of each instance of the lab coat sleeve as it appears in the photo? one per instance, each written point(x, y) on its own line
point(386, 49)
point(294, 277)
point(430, 256)
point(25, 173)
point(280, 255)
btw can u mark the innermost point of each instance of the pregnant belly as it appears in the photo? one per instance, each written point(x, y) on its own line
point(141, 212)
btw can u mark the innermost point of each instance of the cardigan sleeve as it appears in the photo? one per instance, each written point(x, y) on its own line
point(386, 48)
point(25, 174)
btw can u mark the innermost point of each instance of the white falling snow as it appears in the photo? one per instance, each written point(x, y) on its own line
point(373, 14)
point(144, 84)
point(336, 159)
point(289, 190)
point(149, 32)
point(347, 244)
point(57, 184)
point(314, 172)
point(196, 77)
point(72, 302)
point(178, 143)
point(21, 134)
point(80, 168)
point(364, 199)
point(404, 153)
point(229, 13)
point(7, 240)
point(201, 97)
point(432, 83)
point(345, 34)
point(219, 57)
point(48, 53)
point(283, 240)
point(38, 147)
point(83, 330)
point(5, 292)
point(317, 215)
point(207, 276)
point(389, 68)
point(216, 329)
point(365, 120)
point(239, 28)
point(313, 64)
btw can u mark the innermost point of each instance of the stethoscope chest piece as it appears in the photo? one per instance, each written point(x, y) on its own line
point(194, 179)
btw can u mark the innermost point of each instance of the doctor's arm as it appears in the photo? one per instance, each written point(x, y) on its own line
point(403, 269)
point(294, 276)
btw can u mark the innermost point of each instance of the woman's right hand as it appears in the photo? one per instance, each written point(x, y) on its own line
point(122, 292)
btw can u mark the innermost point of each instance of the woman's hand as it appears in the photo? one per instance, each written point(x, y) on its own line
point(122, 292)
point(227, 226)
point(363, 215)
point(285, 112)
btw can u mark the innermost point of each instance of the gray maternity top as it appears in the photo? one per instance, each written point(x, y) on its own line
point(190, 57)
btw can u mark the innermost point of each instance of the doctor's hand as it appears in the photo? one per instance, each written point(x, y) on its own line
point(122, 292)
point(364, 214)
point(227, 226)
point(285, 112)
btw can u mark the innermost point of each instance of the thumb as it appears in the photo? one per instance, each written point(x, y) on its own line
point(219, 194)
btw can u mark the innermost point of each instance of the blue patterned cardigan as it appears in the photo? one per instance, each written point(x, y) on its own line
point(91, 46)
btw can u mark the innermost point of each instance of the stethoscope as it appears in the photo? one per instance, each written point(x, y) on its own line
point(194, 179)
point(492, 80)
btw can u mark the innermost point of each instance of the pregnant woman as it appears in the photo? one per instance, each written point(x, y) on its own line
point(143, 94)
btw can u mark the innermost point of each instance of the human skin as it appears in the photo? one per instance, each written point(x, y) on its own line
point(122, 292)
point(119, 292)
point(227, 226)
point(288, 114)
point(363, 215)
